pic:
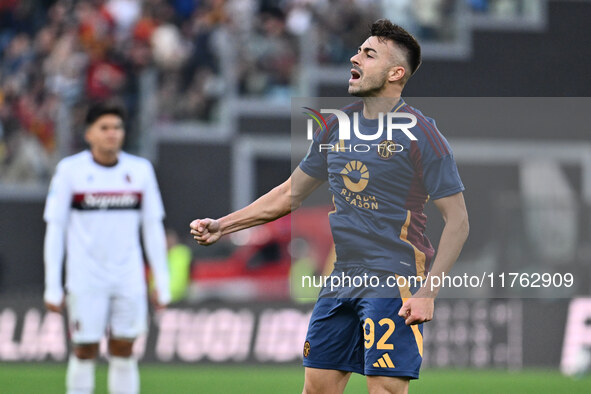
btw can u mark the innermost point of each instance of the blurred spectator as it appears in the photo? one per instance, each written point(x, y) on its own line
point(267, 60)
point(429, 17)
point(64, 66)
point(341, 25)
point(63, 54)
point(168, 47)
point(25, 160)
point(125, 15)
point(72, 52)
point(190, 84)
point(400, 12)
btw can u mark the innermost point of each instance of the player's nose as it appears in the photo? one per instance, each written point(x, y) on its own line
point(112, 131)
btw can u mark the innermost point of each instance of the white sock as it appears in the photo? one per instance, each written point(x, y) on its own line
point(124, 376)
point(80, 376)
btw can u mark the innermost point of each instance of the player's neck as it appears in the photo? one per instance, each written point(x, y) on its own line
point(373, 106)
point(106, 159)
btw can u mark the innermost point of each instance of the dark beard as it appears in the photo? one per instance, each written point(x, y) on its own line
point(373, 90)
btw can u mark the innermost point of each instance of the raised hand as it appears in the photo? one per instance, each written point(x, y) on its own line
point(206, 231)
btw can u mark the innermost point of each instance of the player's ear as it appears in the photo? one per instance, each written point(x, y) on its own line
point(87, 135)
point(396, 73)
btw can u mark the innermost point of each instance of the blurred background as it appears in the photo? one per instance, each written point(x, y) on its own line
point(208, 85)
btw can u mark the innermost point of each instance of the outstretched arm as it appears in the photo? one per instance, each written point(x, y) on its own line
point(419, 308)
point(278, 202)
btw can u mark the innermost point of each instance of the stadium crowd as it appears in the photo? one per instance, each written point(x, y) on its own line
point(68, 53)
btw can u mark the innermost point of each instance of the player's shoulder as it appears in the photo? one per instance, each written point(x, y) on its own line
point(135, 161)
point(423, 121)
point(74, 161)
point(428, 135)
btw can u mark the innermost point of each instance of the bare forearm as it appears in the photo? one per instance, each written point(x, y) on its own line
point(452, 240)
point(455, 232)
point(419, 308)
point(450, 245)
point(271, 206)
point(280, 201)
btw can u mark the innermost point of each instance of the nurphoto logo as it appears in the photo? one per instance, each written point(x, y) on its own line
point(385, 148)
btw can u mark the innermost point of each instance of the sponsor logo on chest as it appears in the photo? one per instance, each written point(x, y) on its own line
point(107, 200)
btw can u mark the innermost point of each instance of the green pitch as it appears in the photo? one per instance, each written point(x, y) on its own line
point(48, 379)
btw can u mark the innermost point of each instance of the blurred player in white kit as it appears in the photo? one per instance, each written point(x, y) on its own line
point(97, 202)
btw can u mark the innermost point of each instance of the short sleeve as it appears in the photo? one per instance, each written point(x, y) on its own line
point(441, 177)
point(314, 164)
point(59, 197)
point(152, 207)
point(440, 173)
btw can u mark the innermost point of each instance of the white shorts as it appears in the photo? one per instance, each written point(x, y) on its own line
point(91, 314)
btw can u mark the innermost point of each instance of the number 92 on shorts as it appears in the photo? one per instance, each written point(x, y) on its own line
point(363, 335)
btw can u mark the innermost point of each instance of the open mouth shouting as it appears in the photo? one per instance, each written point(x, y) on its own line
point(355, 75)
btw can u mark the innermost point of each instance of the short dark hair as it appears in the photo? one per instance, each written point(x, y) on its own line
point(383, 28)
point(101, 108)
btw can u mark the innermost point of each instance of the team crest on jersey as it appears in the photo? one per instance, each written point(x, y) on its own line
point(127, 178)
point(386, 149)
point(355, 169)
point(356, 178)
point(306, 349)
